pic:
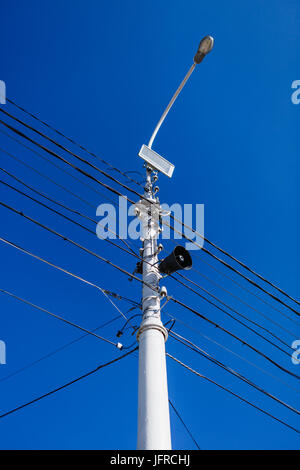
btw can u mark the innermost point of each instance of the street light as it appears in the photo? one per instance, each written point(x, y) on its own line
point(153, 405)
point(204, 48)
point(146, 152)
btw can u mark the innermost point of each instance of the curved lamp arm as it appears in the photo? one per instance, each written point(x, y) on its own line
point(204, 48)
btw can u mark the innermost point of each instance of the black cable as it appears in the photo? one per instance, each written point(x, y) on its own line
point(45, 176)
point(74, 211)
point(132, 180)
point(172, 217)
point(136, 193)
point(124, 271)
point(228, 369)
point(232, 268)
point(253, 294)
point(120, 332)
point(131, 252)
point(106, 291)
point(77, 212)
point(65, 217)
point(83, 172)
point(58, 317)
point(203, 297)
point(185, 426)
point(74, 142)
point(63, 170)
point(237, 313)
point(46, 356)
point(225, 348)
point(251, 271)
point(200, 315)
point(59, 157)
point(232, 393)
point(94, 285)
point(90, 219)
point(67, 384)
point(247, 304)
point(147, 284)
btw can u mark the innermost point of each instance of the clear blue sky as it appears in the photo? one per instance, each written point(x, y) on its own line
point(102, 73)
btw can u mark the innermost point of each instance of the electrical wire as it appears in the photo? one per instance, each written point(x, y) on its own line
point(72, 141)
point(237, 313)
point(74, 211)
point(65, 217)
point(124, 271)
point(63, 159)
point(231, 392)
point(184, 425)
point(59, 157)
point(255, 274)
point(105, 292)
point(232, 269)
point(148, 285)
point(52, 353)
point(132, 180)
point(203, 297)
point(231, 371)
point(131, 252)
point(68, 384)
point(200, 315)
point(136, 193)
point(253, 294)
point(212, 303)
point(225, 348)
point(247, 304)
point(55, 165)
point(58, 317)
point(46, 177)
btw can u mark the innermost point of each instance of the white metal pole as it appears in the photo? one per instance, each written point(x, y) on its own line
point(153, 404)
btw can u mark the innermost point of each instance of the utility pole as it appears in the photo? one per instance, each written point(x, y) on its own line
point(153, 403)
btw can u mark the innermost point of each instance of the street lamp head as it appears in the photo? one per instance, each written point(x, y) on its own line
point(205, 46)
